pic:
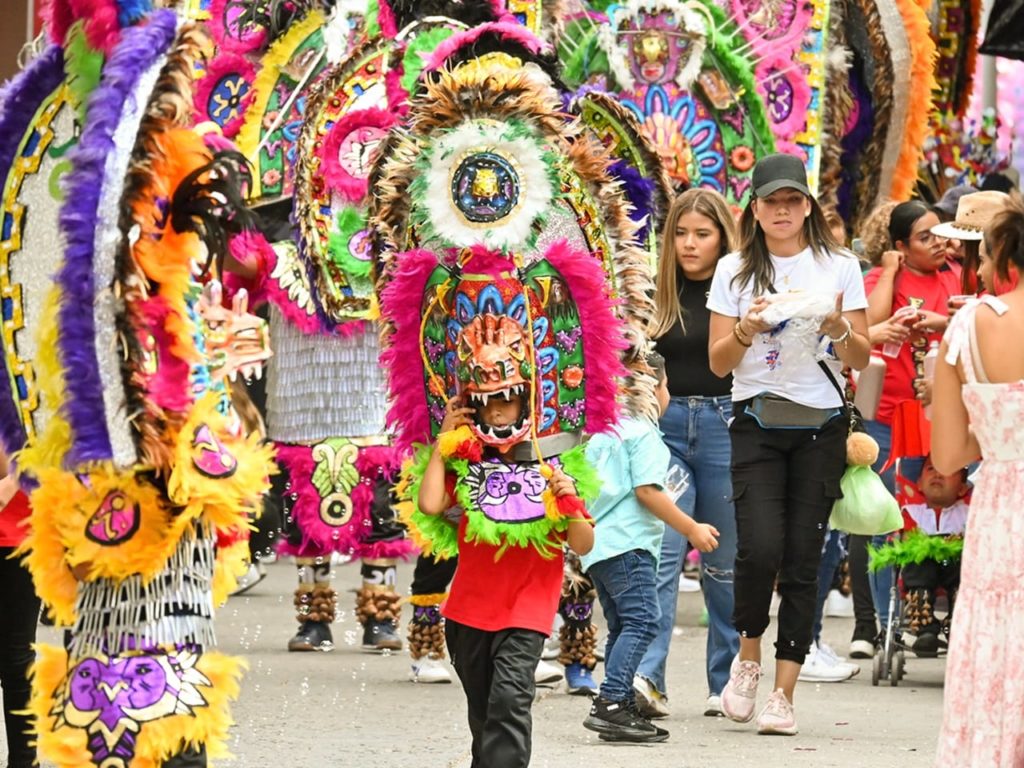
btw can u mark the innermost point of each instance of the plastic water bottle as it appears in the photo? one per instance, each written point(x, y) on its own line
point(869, 387)
point(929, 372)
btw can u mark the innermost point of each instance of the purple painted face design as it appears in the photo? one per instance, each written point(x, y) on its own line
point(210, 456)
point(109, 689)
point(508, 493)
point(116, 520)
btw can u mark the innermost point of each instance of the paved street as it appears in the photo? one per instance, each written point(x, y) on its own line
point(348, 708)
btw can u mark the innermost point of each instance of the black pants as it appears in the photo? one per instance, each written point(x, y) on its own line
point(19, 609)
point(931, 575)
point(497, 674)
point(784, 484)
point(432, 577)
point(864, 619)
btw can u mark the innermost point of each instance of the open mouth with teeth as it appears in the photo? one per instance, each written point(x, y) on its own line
point(500, 435)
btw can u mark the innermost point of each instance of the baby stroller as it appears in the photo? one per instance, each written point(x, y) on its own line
point(908, 608)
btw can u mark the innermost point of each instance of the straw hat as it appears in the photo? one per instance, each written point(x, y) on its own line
point(973, 215)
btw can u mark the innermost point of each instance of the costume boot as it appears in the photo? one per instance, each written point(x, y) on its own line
point(922, 622)
point(426, 640)
point(578, 635)
point(315, 604)
point(378, 606)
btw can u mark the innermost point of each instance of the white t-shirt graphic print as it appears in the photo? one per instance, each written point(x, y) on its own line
point(763, 367)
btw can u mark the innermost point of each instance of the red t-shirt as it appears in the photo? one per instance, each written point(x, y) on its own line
point(930, 292)
point(17, 509)
point(519, 590)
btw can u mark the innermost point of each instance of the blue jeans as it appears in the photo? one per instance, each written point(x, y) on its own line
point(697, 436)
point(831, 556)
point(881, 582)
point(626, 588)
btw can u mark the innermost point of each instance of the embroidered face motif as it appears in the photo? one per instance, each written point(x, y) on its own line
point(576, 612)
point(210, 456)
point(508, 493)
point(115, 521)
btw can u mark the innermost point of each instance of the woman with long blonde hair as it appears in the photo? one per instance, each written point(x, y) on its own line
point(699, 230)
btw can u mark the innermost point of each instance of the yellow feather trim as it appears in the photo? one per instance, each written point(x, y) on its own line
point(49, 448)
point(206, 441)
point(405, 510)
point(551, 511)
point(434, 599)
point(231, 564)
point(276, 57)
point(449, 442)
point(923, 55)
point(65, 745)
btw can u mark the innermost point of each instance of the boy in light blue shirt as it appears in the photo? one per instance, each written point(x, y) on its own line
point(631, 514)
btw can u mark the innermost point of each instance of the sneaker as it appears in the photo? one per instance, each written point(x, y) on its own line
point(686, 584)
point(253, 576)
point(839, 605)
point(777, 716)
point(579, 680)
point(819, 667)
point(926, 646)
point(552, 647)
point(740, 693)
point(620, 721)
point(773, 606)
point(380, 636)
point(546, 673)
point(429, 670)
point(312, 636)
point(835, 658)
point(713, 706)
point(863, 644)
point(650, 702)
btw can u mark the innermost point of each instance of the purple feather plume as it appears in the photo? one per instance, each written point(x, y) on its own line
point(138, 50)
point(640, 193)
point(22, 97)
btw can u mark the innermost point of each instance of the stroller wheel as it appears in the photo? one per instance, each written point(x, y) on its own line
point(899, 671)
point(876, 668)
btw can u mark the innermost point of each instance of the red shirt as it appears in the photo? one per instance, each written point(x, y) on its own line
point(519, 590)
point(17, 509)
point(930, 292)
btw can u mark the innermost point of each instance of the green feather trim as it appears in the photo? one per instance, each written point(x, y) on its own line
point(372, 20)
point(350, 221)
point(580, 54)
point(416, 54)
point(436, 529)
point(914, 547)
point(83, 66)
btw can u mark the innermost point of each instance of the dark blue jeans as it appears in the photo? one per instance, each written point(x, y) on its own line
point(697, 434)
point(627, 590)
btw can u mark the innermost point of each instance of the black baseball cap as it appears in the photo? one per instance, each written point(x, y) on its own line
point(779, 171)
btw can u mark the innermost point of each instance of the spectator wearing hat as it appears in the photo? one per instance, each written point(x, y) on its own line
point(974, 212)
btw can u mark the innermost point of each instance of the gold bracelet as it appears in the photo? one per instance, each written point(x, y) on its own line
point(739, 336)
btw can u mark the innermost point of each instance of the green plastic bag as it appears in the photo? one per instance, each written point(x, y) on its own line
point(867, 508)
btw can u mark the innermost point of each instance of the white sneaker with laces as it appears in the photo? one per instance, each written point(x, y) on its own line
point(429, 670)
point(777, 716)
point(819, 667)
point(650, 701)
point(829, 653)
point(740, 694)
point(713, 706)
point(546, 673)
point(552, 647)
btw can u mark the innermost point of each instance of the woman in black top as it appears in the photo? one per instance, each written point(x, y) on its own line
point(699, 230)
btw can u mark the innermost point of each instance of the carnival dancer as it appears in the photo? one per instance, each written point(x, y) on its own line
point(790, 428)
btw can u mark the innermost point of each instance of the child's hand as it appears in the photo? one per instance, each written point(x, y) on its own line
point(561, 484)
point(456, 415)
point(704, 537)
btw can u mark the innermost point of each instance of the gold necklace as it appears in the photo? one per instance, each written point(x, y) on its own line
point(792, 268)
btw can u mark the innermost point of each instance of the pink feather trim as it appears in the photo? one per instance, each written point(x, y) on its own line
point(169, 387)
point(786, 93)
point(227, 39)
point(102, 28)
point(402, 549)
point(487, 262)
point(58, 18)
point(508, 31)
point(603, 337)
point(222, 65)
point(252, 251)
point(402, 303)
point(352, 188)
point(379, 458)
point(398, 98)
point(386, 19)
point(795, 20)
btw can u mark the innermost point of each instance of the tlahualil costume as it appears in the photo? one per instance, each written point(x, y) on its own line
point(309, 94)
point(508, 263)
point(116, 347)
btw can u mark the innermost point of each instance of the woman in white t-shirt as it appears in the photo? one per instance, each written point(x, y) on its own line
point(789, 428)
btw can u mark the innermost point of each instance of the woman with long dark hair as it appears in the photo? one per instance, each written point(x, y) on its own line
point(790, 426)
point(699, 230)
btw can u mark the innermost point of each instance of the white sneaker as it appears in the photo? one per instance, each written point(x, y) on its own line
point(686, 584)
point(552, 647)
point(773, 607)
point(253, 576)
point(819, 667)
point(546, 673)
point(429, 670)
point(830, 654)
point(713, 706)
point(650, 701)
point(839, 605)
point(740, 694)
point(777, 716)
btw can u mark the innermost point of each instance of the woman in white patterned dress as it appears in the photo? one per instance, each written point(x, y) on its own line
point(978, 410)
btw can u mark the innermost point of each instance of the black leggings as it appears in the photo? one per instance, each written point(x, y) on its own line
point(784, 483)
point(19, 608)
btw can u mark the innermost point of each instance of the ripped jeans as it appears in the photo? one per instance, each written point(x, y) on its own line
point(696, 433)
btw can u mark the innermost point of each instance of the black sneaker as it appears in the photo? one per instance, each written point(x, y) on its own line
point(380, 636)
point(926, 646)
point(312, 636)
point(620, 721)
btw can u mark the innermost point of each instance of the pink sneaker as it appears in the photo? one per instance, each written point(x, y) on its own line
point(740, 693)
point(777, 716)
